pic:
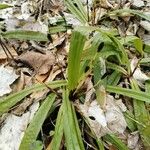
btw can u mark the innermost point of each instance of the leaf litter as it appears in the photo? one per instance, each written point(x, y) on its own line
point(104, 121)
point(7, 77)
point(14, 127)
point(42, 58)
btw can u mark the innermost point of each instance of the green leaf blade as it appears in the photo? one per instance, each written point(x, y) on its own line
point(34, 127)
point(56, 141)
point(71, 128)
point(25, 35)
point(9, 101)
point(76, 47)
point(4, 6)
point(141, 96)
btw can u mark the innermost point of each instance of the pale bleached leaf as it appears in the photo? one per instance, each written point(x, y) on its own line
point(138, 3)
point(14, 127)
point(7, 77)
point(138, 74)
point(110, 119)
point(145, 24)
point(133, 140)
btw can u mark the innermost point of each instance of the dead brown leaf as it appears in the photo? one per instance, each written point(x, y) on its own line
point(41, 63)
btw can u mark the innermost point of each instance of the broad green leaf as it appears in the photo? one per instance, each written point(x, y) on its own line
point(56, 29)
point(134, 40)
point(131, 122)
point(95, 48)
point(72, 132)
point(141, 96)
point(138, 45)
point(38, 145)
point(99, 84)
point(114, 78)
point(100, 144)
point(145, 60)
point(115, 141)
point(56, 141)
point(142, 115)
point(34, 127)
point(78, 11)
point(124, 12)
point(147, 48)
point(124, 56)
point(4, 6)
point(116, 67)
point(25, 35)
point(110, 50)
point(81, 8)
point(7, 102)
point(147, 85)
point(74, 64)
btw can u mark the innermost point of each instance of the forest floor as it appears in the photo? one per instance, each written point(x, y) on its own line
point(74, 74)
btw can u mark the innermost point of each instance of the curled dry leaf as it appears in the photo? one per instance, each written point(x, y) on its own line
point(7, 77)
point(41, 63)
point(138, 3)
point(138, 74)
point(110, 120)
point(133, 140)
point(145, 24)
point(14, 127)
point(146, 38)
point(114, 116)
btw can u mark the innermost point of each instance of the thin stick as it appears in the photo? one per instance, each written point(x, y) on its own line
point(6, 50)
point(87, 2)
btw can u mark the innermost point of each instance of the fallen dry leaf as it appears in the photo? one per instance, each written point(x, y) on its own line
point(114, 116)
point(41, 63)
point(14, 127)
point(7, 77)
point(145, 25)
point(133, 140)
point(137, 3)
point(110, 120)
point(3, 56)
point(138, 74)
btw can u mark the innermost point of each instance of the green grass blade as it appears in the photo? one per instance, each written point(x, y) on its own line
point(114, 78)
point(76, 11)
point(124, 56)
point(115, 141)
point(143, 116)
point(71, 128)
point(25, 35)
point(116, 67)
point(76, 47)
point(33, 130)
point(134, 12)
point(9, 101)
point(81, 8)
point(4, 6)
point(131, 122)
point(56, 29)
point(133, 40)
point(56, 141)
point(141, 96)
point(100, 144)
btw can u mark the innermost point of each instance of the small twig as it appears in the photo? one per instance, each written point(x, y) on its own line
point(6, 50)
point(52, 90)
point(87, 2)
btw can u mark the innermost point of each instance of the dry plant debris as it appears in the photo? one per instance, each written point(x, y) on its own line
point(7, 77)
point(104, 101)
point(41, 63)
